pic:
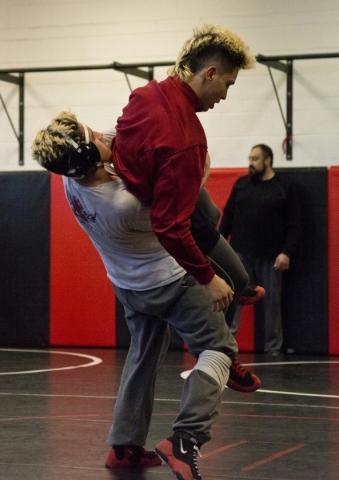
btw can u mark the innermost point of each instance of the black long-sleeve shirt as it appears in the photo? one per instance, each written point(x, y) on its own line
point(262, 218)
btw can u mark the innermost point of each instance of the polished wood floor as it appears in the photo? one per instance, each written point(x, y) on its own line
point(56, 409)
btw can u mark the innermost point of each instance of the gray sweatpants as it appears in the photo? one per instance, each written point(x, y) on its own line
point(223, 258)
point(184, 305)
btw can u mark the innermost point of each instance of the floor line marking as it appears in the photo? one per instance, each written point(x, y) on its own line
point(301, 394)
point(278, 417)
point(53, 417)
point(293, 362)
point(273, 457)
point(186, 373)
point(229, 415)
point(49, 465)
point(61, 395)
point(94, 361)
point(169, 400)
point(222, 449)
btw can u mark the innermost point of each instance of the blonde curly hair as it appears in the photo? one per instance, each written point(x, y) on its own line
point(212, 42)
point(50, 147)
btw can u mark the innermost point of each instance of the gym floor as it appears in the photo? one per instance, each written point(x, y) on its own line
point(56, 409)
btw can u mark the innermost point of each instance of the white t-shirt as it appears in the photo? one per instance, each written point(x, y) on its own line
point(120, 229)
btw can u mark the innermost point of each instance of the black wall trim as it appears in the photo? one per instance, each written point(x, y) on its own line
point(24, 258)
point(305, 290)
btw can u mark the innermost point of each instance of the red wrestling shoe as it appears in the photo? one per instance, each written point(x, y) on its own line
point(242, 380)
point(125, 456)
point(251, 294)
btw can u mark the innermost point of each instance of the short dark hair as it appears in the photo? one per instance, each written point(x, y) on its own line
point(266, 150)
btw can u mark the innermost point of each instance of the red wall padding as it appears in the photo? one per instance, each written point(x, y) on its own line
point(82, 302)
point(333, 261)
point(219, 185)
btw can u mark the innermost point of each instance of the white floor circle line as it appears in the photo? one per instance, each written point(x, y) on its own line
point(298, 394)
point(293, 362)
point(186, 373)
point(94, 360)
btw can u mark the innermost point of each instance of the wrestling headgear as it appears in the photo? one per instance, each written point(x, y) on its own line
point(77, 162)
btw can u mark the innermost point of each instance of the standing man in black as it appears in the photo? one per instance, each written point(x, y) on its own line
point(262, 218)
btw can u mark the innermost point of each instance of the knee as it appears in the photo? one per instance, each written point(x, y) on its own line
point(216, 365)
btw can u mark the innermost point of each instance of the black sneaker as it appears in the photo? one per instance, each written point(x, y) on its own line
point(241, 379)
point(180, 455)
point(251, 294)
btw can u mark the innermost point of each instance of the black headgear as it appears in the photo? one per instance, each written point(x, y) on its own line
point(79, 160)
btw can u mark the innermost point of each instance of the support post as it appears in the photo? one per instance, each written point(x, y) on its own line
point(289, 110)
point(21, 135)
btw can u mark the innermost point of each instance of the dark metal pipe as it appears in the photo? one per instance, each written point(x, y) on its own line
point(310, 56)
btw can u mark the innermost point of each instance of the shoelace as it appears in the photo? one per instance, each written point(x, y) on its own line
point(239, 369)
point(196, 452)
point(141, 452)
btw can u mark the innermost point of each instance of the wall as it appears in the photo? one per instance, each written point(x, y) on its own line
point(54, 288)
point(48, 33)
